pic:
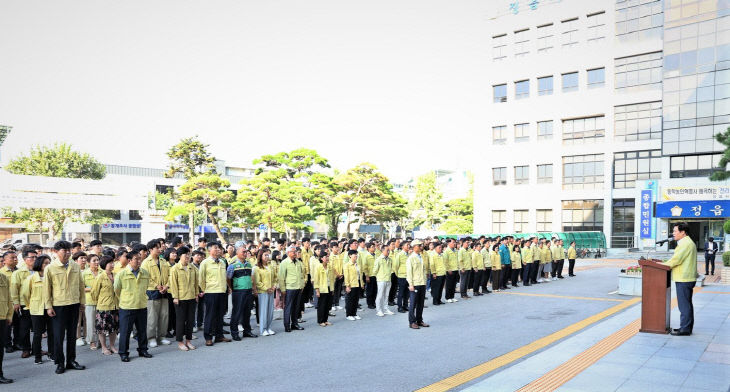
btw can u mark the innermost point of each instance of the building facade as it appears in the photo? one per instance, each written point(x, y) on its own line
point(601, 112)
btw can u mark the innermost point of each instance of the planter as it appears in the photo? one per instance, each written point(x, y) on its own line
point(724, 275)
point(629, 285)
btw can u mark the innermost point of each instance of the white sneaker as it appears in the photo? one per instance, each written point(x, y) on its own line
point(271, 332)
point(555, 278)
point(379, 314)
point(350, 318)
point(152, 343)
point(449, 301)
point(165, 342)
point(339, 307)
point(240, 328)
point(265, 333)
point(194, 337)
point(334, 309)
point(308, 305)
point(195, 329)
point(456, 300)
point(358, 318)
point(388, 312)
point(80, 342)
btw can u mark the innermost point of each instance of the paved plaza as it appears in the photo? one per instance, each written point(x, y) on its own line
point(499, 342)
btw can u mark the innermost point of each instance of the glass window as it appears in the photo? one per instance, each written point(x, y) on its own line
point(545, 38)
point(499, 221)
point(522, 43)
point(499, 47)
point(522, 175)
point(596, 28)
point(570, 33)
point(522, 132)
point(630, 167)
point(545, 174)
point(500, 93)
point(544, 221)
point(640, 72)
point(596, 77)
point(499, 134)
point(570, 82)
point(582, 215)
point(522, 89)
point(583, 130)
point(135, 215)
point(545, 130)
point(545, 85)
point(583, 171)
point(521, 220)
point(499, 175)
point(694, 165)
point(622, 230)
point(639, 20)
point(639, 121)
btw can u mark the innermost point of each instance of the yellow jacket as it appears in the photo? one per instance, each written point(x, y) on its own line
point(159, 271)
point(477, 260)
point(399, 264)
point(557, 253)
point(571, 253)
point(684, 261)
point(415, 270)
point(306, 256)
point(102, 292)
point(382, 268)
point(264, 278)
point(131, 291)
point(31, 294)
point(450, 259)
point(465, 262)
point(212, 276)
point(544, 255)
point(291, 275)
point(426, 261)
point(89, 279)
point(516, 259)
point(336, 263)
point(184, 282)
point(437, 263)
point(495, 260)
point(6, 304)
point(324, 279)
point(353, 277)
point(526, 255)
point(16, 281)
point(62, 285)
point(368, 261)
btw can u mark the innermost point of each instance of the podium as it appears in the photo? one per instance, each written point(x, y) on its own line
point(656, 296)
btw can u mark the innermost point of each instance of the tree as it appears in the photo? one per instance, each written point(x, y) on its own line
point(190, 157)
point(59, 160)
point(459, 213)
point(210, 192)
point(427, 206)
point(724, 174)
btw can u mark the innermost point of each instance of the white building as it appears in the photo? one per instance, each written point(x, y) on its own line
point(593, 102)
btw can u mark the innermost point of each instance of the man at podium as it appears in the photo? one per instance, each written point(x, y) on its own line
point(684, 275)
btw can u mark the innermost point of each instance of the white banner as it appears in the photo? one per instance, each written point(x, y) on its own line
point(691, 193)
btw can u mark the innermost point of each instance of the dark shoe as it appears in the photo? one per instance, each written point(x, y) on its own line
point(287, 329)
point(222, 340)
point(226, 332)
point(208, 342)
point(25, 354)
point(236, 338)
point(44, 352)
point(9, 350)
point(225, 324)
point(4, 380)
point(297, 327)
point(561, 277)
point(38, 361)
point(169, 335)
point(145, 354)
point(74, 366)
point(415, 326)
point(249, 335)
point(424, 325)
point(124, 358)
point(371, 306)
point(515, 285)
point(391, 303)
point(677, 332)
point(301, 321)
point(488, 292)
point(60, 369)
point(402, 311)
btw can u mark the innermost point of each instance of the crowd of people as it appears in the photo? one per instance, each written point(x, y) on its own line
point(74, 295)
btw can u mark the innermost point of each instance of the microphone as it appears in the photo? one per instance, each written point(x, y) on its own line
point(662, 242)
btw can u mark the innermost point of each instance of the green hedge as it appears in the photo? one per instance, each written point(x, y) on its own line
point(726, 259)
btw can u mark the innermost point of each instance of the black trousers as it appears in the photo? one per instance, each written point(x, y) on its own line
point(710, 259)
point(129, 318)
point(351, 299)
point(526, 271)
point(403, 293)
point(199, 313)
point(506, 271)
point(571, 266)
point(171, 318)
point(464, 284)
point(533, 271)
point(242, 302)
point(371, 291)
point(415, 307)
point(437, 286)
point(12, 331)
point(64, 325)
point(496, 275)
point(515, 275)
point(477, 281)
point(451, 284)
point(684, 302)
point(337, 293)
point(324, 303)
point(290, 308)
point(307, 291)
point(215, 308)
point(185, 319)
point(559, 264)
point(24, 326)
point(393, 287)
point(485, 280)
point(41, 324)
point(3, 327)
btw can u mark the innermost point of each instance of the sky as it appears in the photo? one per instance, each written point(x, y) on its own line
point(398, 83)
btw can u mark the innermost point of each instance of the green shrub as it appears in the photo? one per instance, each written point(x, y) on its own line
point(726, 259)
point(726, 227)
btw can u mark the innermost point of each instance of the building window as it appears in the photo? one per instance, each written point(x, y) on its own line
point(695, 165)
point(499, 134)
point(622, 226)
point(545, 174)
point(544, 220)
point(570, 82)
point(596, 77)
point(639, 20)
point(545, 85)
point(135, 215)
point(632, 166)
point(596, 28)
point(522, 132)
point(545, 38)
point(522, 43)
point(545, 130)
point(499, 47)
point(641, 72)
point(639, 121)
point(499, 221)
point(522, 175)
point(500, 93)
point(570, 33)
point(499, 176)
point(582, 215)
point(521, 221)
point(584, 130)
point(522, 89)
point(583, 171)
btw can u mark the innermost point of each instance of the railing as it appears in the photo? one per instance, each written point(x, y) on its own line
point(620, 241)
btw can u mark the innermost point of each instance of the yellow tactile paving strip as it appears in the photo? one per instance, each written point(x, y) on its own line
point(562, 296)
point(506, 359)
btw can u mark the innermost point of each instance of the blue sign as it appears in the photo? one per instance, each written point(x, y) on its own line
point(262, 227)
point(694, 209)
point(645, 221)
